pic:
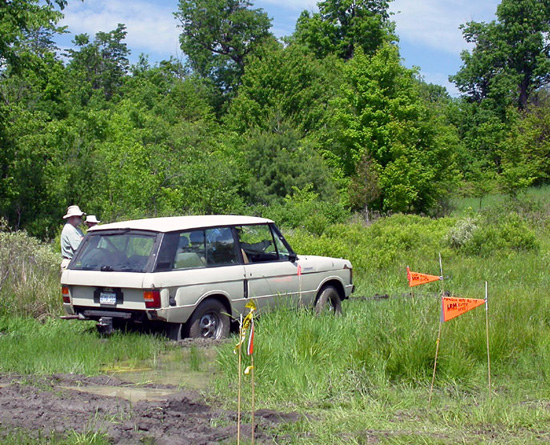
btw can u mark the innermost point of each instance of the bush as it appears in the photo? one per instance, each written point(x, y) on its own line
point(29, 276)
point(488, 235)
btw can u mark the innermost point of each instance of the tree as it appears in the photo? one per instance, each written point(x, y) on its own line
point(284, 83)
point(277, 161)
point(101, 64)
point(218, 35)
point(383, 131)
point(18, 19)
point(526, 150)
point(340, 26)
point(511, 57)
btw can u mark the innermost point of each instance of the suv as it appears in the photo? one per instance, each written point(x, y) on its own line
point(192, 274)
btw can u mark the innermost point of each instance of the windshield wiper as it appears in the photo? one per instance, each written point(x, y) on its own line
point(106, 269)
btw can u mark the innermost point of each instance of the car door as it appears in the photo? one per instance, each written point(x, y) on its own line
point(271, 278)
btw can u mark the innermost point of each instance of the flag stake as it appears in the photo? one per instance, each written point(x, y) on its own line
point(239, 380)
point(441, 274)
point(252, 383)
point(487, 332)
point(435, 363)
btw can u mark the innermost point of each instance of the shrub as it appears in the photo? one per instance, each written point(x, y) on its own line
point(492, 235)
point(29, 276)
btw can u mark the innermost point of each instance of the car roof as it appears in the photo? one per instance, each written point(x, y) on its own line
point(173, 223)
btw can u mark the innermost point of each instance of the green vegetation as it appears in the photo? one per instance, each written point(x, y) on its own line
point(366, 374)
point(324, 132)
point(324, 123)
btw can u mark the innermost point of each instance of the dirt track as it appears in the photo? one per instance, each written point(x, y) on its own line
point(46, 407)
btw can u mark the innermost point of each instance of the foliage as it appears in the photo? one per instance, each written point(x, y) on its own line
point(525, 158)
point(487, 235)
point(101, 64)
point(277, 162)
point(342, 26)
point(217, 36)
point(284, 85)
point(20, 19)
point(379, 118)
point(511, 58)
point(327, 123)
point(29, 276)
point(303, 208)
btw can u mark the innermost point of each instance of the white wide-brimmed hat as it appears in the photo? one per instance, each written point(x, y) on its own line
point(92, 219)
point(73, 211)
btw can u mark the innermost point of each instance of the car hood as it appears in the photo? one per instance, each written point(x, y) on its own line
point(314, 263)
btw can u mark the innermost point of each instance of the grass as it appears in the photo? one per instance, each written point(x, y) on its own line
point(29, 346)
point(366, 376)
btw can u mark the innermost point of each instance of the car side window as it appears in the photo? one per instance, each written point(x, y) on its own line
point(220, 247)
point(284, 253)
point(190, 252)
point(257, 243)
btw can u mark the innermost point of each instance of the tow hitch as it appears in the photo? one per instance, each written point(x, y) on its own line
point(105, 325)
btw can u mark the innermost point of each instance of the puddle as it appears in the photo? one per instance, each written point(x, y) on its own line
point(132, 394)
point(191, 368)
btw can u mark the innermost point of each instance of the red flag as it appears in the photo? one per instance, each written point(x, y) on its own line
point(416, 278)
point(453, 307)
point(299, 270)
point(250, 348)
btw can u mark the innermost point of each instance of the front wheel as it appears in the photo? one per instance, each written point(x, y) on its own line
point(329, 301)
point(209, 321)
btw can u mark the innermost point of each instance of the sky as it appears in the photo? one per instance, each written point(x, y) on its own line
point(428, 30)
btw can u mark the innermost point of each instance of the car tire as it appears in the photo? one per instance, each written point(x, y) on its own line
point(329, 301)
point(209, 320)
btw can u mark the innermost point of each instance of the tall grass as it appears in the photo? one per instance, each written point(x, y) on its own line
point(368, 374)
point(364, 376)
point(28, 346)
point(29, 276)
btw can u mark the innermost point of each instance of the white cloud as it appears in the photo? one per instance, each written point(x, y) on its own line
point(294, 5)
point(435, 23)
point(151, 27)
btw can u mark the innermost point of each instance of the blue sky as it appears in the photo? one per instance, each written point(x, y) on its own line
point(429, 33)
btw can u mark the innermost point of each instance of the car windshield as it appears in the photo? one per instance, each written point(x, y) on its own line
point(116, 252)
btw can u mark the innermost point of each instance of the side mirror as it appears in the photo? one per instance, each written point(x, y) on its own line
point(292, 257)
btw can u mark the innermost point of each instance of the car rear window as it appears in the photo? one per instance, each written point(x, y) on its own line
point(117, 252)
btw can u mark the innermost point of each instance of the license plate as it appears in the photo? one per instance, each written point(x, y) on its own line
point(107, 298)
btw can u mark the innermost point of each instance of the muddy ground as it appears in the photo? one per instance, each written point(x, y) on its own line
point(61, 406)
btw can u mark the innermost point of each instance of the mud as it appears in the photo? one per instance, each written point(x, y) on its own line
point(59, 406)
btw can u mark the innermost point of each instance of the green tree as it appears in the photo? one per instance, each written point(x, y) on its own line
point(526, 150)
point(381, 123)
point(218, 35)
point(100, 65)
point(341, 26)
point(286, 84)
point(511, 57)
point(21, 18)
point(277, 161)
point(31, 82)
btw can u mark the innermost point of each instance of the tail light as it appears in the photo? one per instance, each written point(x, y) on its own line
point(152, 299)
point(65, 294)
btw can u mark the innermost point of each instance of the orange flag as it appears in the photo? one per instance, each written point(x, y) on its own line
point(453, 307)
point(416, 278)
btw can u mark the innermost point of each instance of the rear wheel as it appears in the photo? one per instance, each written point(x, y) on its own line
point(209, 321)
point(329, 301)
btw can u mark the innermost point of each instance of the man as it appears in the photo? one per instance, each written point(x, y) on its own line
point(71, 236)
point(91, 221)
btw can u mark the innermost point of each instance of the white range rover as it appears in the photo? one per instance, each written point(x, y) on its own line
point(192, 275)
